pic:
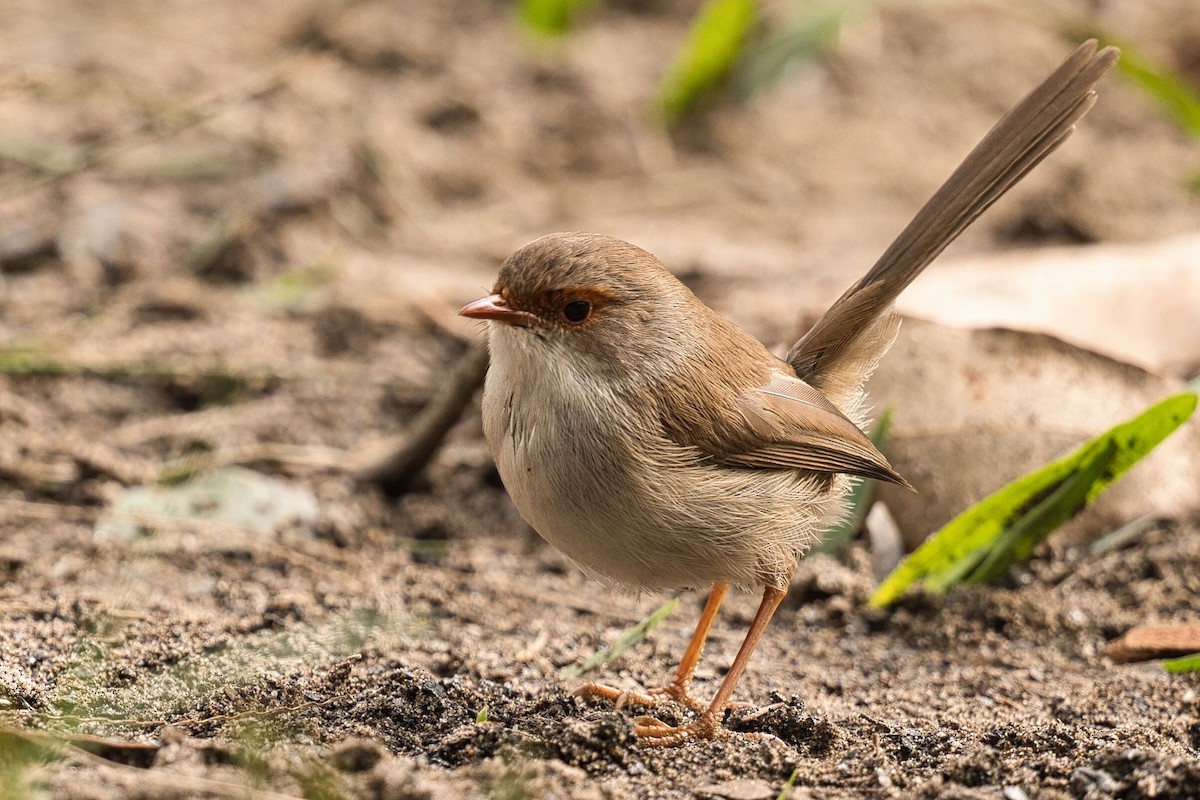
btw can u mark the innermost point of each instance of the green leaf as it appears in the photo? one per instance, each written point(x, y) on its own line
point(837, 537)
point(714, 42)
point(1179, 100)
point(293, 290)
point(482, 716)
point(1018, 542)
point(551, 18)
point(29, 359)
point(1003, 528)
point(606, 655)
point(1183, 664)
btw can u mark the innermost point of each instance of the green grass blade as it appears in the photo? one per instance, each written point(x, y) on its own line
point(23, 758)
point(787, 787)
point(713, 44)
point(1122, 535)
point(551, 18)
point(810, 32)
point(1183, 664)
point(836, 538)
point(606, 655)
point(955, 552)
point(1179, 100)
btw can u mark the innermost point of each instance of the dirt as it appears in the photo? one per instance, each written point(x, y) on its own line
point(236, 234)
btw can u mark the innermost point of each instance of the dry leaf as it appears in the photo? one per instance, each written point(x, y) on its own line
point(1138, 303)
point(1161, 640)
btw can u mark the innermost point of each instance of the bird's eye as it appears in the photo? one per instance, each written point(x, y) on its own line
point(577, 311)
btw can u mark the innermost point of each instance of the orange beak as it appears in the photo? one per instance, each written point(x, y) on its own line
point(495, 307)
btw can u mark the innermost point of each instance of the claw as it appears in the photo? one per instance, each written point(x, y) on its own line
point(655, 733)
point(651, 699)
point(681, 695)
point(649, 723)
point(621, 697)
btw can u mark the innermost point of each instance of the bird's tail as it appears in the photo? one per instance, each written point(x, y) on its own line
point(844, 347)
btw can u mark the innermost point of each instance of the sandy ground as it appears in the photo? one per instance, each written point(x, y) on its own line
point(236, 234)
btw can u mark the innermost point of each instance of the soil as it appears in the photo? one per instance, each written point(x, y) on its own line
point(236, 234)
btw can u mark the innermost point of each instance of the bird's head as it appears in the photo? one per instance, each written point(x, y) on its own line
point(603, 304)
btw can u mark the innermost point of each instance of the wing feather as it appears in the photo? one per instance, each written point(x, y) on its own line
point(784, 424)
point(798, 428)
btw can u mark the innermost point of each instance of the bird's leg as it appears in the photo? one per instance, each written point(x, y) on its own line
point(677, 689)
point(656, 734)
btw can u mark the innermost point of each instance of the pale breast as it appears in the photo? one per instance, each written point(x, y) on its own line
point(629, 506)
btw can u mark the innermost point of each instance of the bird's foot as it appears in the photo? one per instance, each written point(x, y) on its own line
point(649, 699)
point(656, 733)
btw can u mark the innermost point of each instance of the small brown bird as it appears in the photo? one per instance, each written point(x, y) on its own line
point(659, 446)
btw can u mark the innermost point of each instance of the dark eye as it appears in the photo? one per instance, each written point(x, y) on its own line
point(577, 311)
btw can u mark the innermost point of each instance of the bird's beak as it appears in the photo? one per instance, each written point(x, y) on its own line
point(496, 308)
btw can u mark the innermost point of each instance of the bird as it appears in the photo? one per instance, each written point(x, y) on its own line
point(661, 447)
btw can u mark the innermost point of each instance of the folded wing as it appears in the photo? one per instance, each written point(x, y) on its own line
point(786, 424)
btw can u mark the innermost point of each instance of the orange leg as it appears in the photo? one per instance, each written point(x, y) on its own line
point(706, 726)
point(677, 689)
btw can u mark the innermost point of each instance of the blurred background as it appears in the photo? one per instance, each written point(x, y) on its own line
point(234, 236)
point(212, 196)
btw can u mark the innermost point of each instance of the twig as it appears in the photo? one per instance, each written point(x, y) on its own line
point(406, 456)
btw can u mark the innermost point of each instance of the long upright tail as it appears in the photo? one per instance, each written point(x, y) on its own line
point(844, 347)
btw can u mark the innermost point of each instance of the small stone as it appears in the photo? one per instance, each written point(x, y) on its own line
point(1093, 782)
point(356, 755)
point(739, 789)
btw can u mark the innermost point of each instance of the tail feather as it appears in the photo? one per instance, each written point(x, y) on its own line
point(844, 347)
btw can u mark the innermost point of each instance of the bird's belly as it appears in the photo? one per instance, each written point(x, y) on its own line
point(656, 525)
point(575, 505)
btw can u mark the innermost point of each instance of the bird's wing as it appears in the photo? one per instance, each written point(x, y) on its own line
point(787, 424)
